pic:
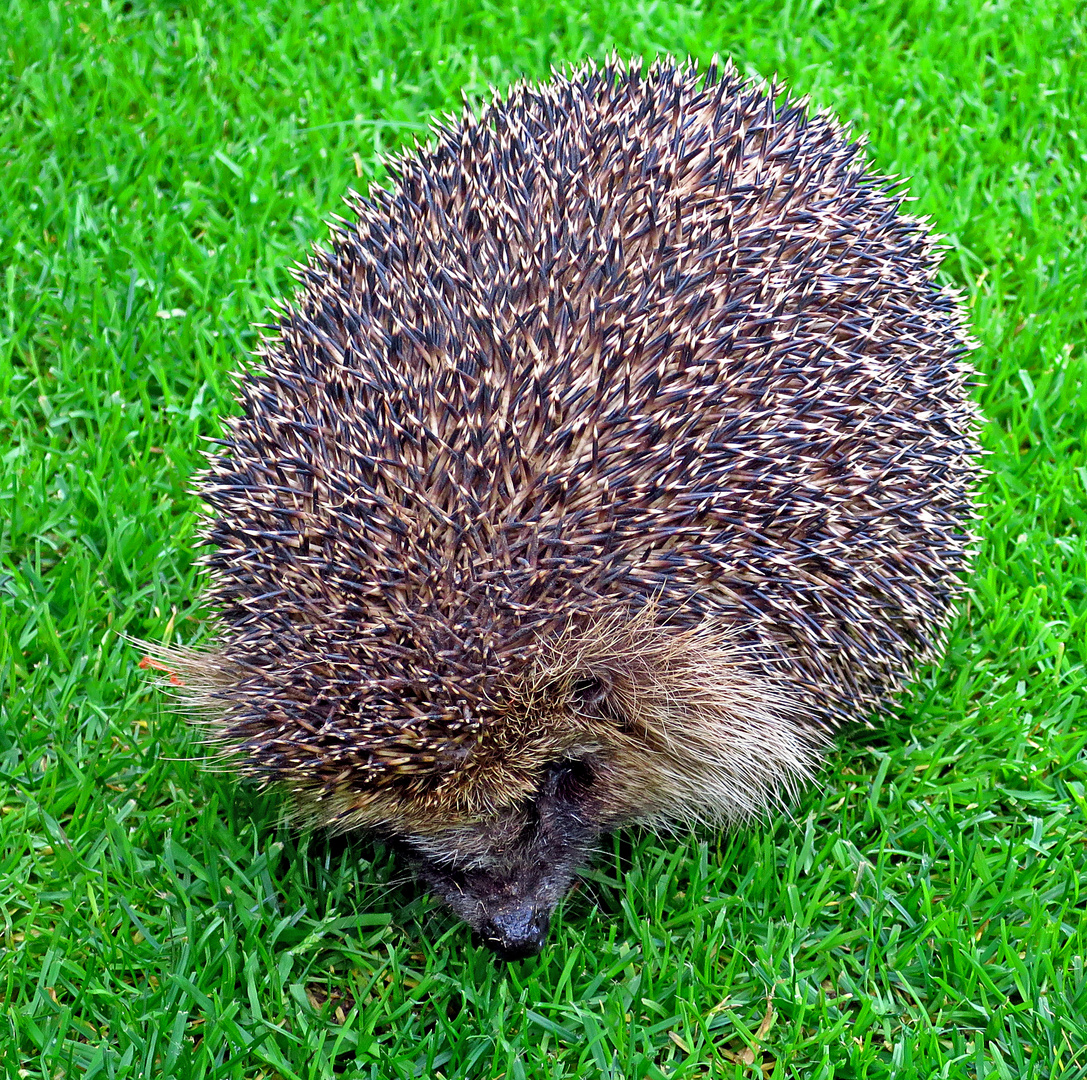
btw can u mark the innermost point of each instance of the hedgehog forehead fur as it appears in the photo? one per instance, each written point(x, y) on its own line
point(628, 424)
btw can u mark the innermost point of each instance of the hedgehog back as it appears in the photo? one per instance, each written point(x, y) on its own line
point(629, 339)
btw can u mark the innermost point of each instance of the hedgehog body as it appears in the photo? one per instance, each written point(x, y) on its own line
point(605, 463)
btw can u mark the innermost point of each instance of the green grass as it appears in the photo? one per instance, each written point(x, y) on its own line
point(161, 167)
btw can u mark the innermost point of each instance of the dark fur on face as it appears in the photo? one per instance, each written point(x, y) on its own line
point(504, 877)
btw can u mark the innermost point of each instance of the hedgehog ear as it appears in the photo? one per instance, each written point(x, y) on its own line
point(589, 693)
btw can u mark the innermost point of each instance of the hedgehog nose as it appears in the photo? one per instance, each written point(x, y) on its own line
point(515, 933)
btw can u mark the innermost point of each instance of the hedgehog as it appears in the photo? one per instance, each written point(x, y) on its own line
point(610, 458)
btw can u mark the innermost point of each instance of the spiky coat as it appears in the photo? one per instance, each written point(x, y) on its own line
point(627, 427)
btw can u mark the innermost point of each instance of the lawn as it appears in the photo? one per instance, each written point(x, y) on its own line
point(923, 911)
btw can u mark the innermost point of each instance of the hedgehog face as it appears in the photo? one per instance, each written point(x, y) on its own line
point(505, 875)
point(596, 751)
point(501, 836)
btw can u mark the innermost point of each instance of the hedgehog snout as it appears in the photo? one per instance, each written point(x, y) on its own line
point(515, 932)
point(506, 875)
